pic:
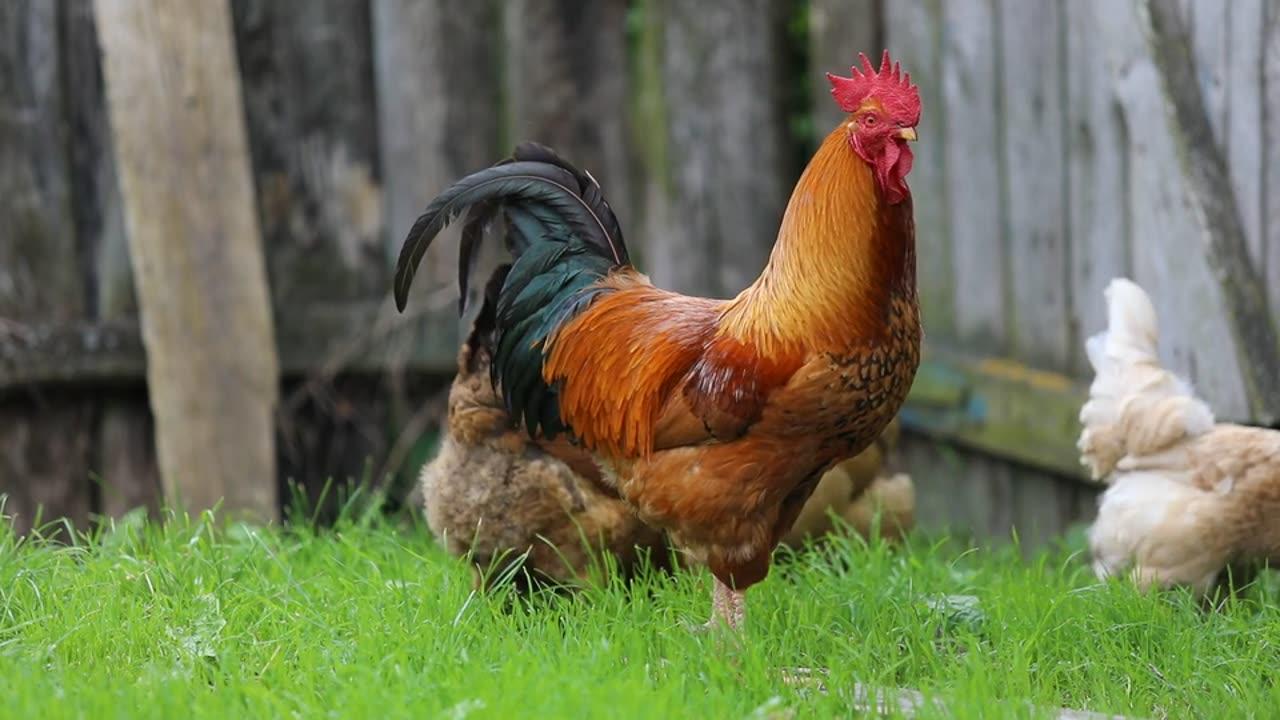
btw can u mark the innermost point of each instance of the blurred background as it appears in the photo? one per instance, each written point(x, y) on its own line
point(252, 167)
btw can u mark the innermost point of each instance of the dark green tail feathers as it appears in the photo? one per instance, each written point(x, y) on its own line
point(562, 236)
point(478, 345)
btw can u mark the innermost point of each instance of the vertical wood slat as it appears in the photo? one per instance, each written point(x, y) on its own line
point(125, 464)
point(436, 72)
point(972, 175)
point(124, 459)
point(713, 132)
point(913, 34)
point(1227, 41)
point(1044, 507)
point(1055, 189)
point(307, 69)
point(436, 75)
point(1206, 178)
point(1271, 150)
point(1168, 251)
point(1244, 128)
point(567, 87)
point(44, 436)
point(956, 489)
point(1098, 173)
point(1031, 64)
point(174, 101)
point(1208, 22)
point(838, 31)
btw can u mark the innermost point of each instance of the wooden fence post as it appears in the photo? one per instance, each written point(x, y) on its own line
point(174, 102)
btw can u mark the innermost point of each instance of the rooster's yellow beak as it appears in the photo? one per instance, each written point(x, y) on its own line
point(908, 134)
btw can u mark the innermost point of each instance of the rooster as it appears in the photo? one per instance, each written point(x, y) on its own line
point(497, 498)
point(713, 419)
point(1187, 496)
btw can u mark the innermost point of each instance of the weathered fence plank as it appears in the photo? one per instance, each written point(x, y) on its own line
point(124, 459)
point(914, 33)
point(1097, 174)
point(125, 465)
point(44, 458)
point(44, 435)
point(838, 31)
point(1165, 246)
point(1032, 64)
point(990, 498)
point(173, 97)
point(435, 67)
point(436, 70)
point(316, 340)
point(1226, 39)
point(714, 148)
point(999, 406)
point(436, 74)
point(309, 101)
point(1271, 151)
point(1207, 20)
point(310, 106)
point(567, 86)
point(972, 178)
point(1245, 132)
point(1243, 313)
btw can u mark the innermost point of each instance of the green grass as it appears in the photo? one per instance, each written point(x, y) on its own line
point(372, 620)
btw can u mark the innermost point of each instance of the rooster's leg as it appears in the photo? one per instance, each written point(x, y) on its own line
point(728, 606)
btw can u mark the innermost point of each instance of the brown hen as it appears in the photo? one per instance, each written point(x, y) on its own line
point(497, 497)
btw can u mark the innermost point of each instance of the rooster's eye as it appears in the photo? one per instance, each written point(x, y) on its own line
point(869, 120)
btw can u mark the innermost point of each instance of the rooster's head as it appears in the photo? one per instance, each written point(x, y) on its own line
point(884, 109)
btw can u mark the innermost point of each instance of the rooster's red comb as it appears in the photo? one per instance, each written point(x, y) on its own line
point(890, 85)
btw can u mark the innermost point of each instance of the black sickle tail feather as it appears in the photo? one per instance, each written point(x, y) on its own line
point(564, 238)
point(538, 191)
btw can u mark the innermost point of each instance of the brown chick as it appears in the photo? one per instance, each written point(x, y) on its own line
point(495, 495)
point(1188, 496)
point(855, 490)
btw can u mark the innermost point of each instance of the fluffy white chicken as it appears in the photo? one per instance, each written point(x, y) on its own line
point(1187, 496)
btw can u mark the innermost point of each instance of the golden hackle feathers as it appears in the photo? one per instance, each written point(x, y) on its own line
point(839, 256)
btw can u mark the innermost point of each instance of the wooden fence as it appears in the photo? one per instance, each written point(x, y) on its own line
point(1063, 142)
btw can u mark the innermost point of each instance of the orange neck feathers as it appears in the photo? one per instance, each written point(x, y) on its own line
point(841, 255)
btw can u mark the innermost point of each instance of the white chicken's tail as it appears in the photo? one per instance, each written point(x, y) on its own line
point(1135, 407)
